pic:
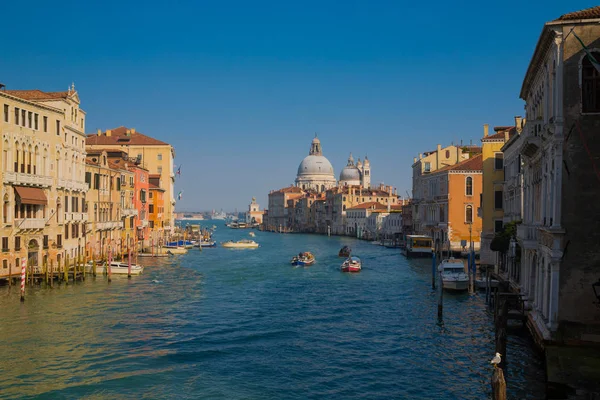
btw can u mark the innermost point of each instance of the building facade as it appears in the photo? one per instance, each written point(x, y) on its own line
point(561, 183)
point(43, 182)
point(315, 172)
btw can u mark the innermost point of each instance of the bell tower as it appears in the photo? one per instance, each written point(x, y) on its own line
point(365, 174)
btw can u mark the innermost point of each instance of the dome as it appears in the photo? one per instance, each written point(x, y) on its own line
point(315, 165)
point(350, 174)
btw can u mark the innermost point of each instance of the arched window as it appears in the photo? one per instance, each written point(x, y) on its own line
point(469, 186)
point(469, 214)
point(590, 84)
point(5, 163)
point(447, 153)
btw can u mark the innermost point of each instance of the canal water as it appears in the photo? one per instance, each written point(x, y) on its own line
point(245, 324)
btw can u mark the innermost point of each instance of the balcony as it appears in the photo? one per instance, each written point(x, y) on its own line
point(72, 185)
point(75, 217)
point(108, 225)
point(30, 223)
point(128, 212)
point(18, 178)
point(529, 234)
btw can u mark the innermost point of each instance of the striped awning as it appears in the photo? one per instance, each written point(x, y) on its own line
point(30, 195)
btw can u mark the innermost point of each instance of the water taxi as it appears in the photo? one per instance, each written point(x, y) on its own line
point(240, 244)
point(453, 273)
point(119, 268)
point(303, 259)
point(252, 234)
point(418, 246)
point(352, 264)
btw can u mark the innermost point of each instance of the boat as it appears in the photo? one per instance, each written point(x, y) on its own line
point(303, 259)
point(240, 244)
point(345, 252)
point(120, 268)
point(453, 273)
point(170, 250)
point(186, 244)
point(252, 234)
point(418, 246)
point(208, 243)
point(352, 264)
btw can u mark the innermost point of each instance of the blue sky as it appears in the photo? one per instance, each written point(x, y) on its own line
point(240, 88)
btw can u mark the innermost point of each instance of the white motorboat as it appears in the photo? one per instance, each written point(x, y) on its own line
point(453, 273)
point(116, 267)
point(240, 244)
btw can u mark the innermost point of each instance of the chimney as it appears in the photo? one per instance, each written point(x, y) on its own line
point(414, 160)
point(132, 131)
point(486, 129)
point(108, 132)
point(420, 156)
point(99, 132)
point(519, 123)
point(439, 147)
point(506, 135)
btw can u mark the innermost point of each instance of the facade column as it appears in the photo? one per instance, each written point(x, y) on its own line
point(553, 298)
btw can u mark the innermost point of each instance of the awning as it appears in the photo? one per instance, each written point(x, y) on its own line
point(30, 195)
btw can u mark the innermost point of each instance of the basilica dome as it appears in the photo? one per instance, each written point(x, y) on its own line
point(315, 172)
point(350, 175)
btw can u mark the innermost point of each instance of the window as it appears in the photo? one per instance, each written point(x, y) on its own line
point(45, 124)
point(469, 214)
point(17, 243)
point(57, 128)
point(498, 199)
point(118, 183)
point(23, 115)
point(88, 178)
point(16, 116)
point(469, 186)
point(36, 121)
point(66, 231)
point(59, 241)
point(30, 119)
point(5, 264)
point(499, 161)
point(6, 113)
point(159, 169)
point(447, 153)
point(151, 208)
point(427, 166)
point(442, 214)
point(159, 157)
point(45, 241)
point(590, 85)
point(96, 181)
point(498, 226)
point(66, 205)
point(4, 243)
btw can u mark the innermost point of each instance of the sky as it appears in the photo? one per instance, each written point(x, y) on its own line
point(240, 88)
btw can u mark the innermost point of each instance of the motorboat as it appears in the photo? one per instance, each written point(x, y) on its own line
point(352, 264)
point(240, 244)
point(208, 243)
point(303, 259)
point(453, 273)
point(345, 252)
point(252, 234)
point(170, 250)
point(186, 244)
point(116, 267)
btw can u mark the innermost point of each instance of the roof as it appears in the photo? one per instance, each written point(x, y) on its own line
point(289, 189)
point(500, 133)
point(588, 13)
point(152, 186)
point(369, 205)
point(37, 94)
point(122, 136)
point(474, 163)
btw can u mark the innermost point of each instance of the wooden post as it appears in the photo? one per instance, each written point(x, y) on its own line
point(440, 295)
point(128, 263)
point(433, 271)
point(469, 271)
point(488, 281)
point(51, 273)
point(46, 269)
point(66, 269)
point(23, 277)
point(108, 266)
point(498, 385)
point(501, 322)
point(84, 264)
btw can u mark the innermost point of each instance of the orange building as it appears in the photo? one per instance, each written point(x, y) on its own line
point(449, 208)
point(156, 209)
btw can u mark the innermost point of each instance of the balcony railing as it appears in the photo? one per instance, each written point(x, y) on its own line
point(75, 216)
point(30, 223)
point(128, 212)
point(527, 232)
point(72, 185)
point(18, 178)
point(106, 225)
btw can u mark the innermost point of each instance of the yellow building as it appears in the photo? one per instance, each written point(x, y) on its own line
point(153, 154)
point(491, 207)
point(43, 187)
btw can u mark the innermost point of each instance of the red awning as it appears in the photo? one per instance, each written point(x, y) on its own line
point(30, 195)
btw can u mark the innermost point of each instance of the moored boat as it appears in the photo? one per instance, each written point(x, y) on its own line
point(345, 252)
point(170, 250)
point(303, 259)
point(453, 273)
point(352, 264)
point(240, 244)
point(119, 268)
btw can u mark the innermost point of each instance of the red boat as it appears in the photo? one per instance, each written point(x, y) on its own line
point(352, 264)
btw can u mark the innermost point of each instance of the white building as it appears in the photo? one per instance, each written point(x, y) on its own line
point(357, 219)
point(315, 172)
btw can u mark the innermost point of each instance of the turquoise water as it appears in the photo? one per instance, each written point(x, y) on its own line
point(244, 324)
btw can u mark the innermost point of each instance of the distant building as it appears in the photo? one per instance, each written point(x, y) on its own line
point(315, 172)
point(254, 215)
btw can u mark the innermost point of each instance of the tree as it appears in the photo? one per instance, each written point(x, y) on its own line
point(501, 241)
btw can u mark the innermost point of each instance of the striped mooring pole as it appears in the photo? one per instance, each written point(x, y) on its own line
point(23, 273)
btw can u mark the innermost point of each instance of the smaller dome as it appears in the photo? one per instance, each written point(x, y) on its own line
point(350, 174)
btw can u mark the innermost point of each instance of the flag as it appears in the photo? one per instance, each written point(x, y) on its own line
point(179, 171)
point(180, 195)
point(593, 60)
